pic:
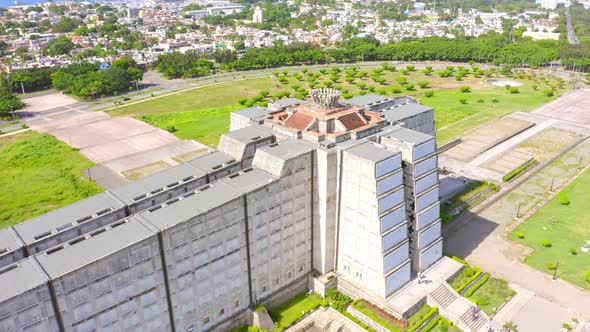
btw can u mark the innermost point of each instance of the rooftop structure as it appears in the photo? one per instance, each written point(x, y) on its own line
point(295, 192)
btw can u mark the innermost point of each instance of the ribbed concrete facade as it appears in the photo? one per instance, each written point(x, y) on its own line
point(193, 247)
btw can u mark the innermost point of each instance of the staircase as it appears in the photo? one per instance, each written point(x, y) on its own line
point(443, 296)
point(475, 324)
point(457, 309)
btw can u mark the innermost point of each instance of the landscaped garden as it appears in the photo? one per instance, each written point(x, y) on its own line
point(479, 287)
point(39, 174)
point(460, 95)
point(559, 233)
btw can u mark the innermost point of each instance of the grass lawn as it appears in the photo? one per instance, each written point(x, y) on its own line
point(442, 323)
point(491, 295)
point(289, 312)
point(203, 113)
point(39, 174)
point(567, 227)
point(479, 108)
point(388, 321)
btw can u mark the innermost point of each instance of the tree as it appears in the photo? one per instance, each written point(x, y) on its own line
point(58, 46)
point(9, 103)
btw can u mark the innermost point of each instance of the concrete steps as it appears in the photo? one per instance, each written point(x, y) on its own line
point(443, 296)
point(474, 323)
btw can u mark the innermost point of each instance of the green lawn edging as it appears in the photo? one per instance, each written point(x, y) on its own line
point(477, 285)
point(519, 171)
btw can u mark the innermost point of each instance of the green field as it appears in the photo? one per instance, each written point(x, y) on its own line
point(491, 295)
point(566, 227)
point(203, 113)
point(39, 174)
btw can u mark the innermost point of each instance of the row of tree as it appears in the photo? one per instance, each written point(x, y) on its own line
point(492, 47)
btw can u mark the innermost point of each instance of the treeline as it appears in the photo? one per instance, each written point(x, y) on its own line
point(85, 80)
point(492, 47)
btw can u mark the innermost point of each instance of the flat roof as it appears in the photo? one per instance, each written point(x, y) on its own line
point(211, 162)
point(371, 151)
point(9, 241)
point(286, 102)
point(190, 205)
point(398, 113)
point(168, 178)
point(68, 214)
point(248, 134)
point(288, 148)
point(249, 180)
point(252, 112)
point(26, 275)
point(409, 136)
point(93, 248)
point(365, 99)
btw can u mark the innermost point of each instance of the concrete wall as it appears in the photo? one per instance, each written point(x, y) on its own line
point(279, 226)
point(122, 291)
point(206, 260)
point(325, 211)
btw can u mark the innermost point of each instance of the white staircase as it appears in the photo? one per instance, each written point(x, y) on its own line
point(458, 309)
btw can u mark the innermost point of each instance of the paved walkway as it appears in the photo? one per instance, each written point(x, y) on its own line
point(480, 238)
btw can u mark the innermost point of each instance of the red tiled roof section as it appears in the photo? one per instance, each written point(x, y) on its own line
point(352, 121)
point(299, 120)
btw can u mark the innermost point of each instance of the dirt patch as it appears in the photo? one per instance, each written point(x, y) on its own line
point(140, 172)
point(183, 158)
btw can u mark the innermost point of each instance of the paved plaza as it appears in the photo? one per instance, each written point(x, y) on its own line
point(122, 144)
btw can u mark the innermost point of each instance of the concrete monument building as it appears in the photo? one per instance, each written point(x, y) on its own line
point(296, 191)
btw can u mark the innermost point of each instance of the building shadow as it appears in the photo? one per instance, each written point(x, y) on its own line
point(466, 233)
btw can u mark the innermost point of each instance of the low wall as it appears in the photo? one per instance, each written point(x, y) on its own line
point(366, 320)
point(355, 292)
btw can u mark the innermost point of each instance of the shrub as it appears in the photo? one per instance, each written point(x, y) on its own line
point(397, 89)
point(347, 95)
point(171, 129)
point(507, 86)
point(409, 87)
point(587, 275)
point(520, 235)
point(402, 80)
point(573, 251)
point(481, 101)
point(535, 87)
point(382, 91)
point(405, 71)
point(295, 86)
point(423, 84)
point(465, 89)
point(563, 199)
point(551, 266)
point(546, 243)
point(362, 86)
point(459, 76)
point(548, 92)
point(429, 94)
point(463, 101)
point(411, 68)
point(566, 326)
point(444, 73)
point(371, 88)
point(243, 101)
point(477, 285)
point(362, 93)
point(514, 90)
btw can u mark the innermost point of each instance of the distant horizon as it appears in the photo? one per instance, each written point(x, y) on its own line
point(7, 3)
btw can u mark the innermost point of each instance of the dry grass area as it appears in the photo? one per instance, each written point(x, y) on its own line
point(183, 158)
point(548, 143)
point(486, 137)
point(140, 172)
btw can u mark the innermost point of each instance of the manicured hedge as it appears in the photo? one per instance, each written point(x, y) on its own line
point(519, 170)
point(419, 323)
point(478, 284)
point(470, 280)
point(431, 325)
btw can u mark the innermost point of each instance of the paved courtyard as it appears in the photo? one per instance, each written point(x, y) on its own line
point(122, 144)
